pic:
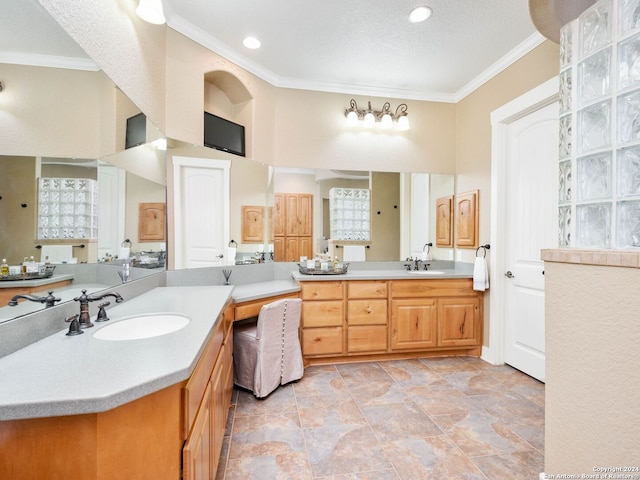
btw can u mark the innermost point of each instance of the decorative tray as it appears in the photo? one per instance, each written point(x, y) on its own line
point(341, 270)
point(48, 272)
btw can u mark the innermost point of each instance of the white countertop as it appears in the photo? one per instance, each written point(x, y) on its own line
point(63, 375)
point(255, 291)
point(397, 274)
point(36, 282)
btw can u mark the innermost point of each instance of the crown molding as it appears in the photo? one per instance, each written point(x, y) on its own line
point(38, 60)
point(203, 38)
point(509, 59)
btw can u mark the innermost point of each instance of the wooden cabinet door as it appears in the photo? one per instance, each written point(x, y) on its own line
point(252, 224)
point(467, 220)
point(444, 222)
point(413, 323)
point(292, 254)
point(151, 222)
point(459, 321)
point(278, 249)
point(305, 247)
point(305, 214)
point(277, 215)
point(197, 454)
point(291, 216)
point(219, 409)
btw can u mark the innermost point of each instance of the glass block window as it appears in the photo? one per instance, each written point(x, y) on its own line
point(350, 213)
point(67, 208)
point(600, 115)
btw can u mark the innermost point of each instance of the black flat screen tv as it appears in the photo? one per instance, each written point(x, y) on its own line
point(136, 131)
point(222, 134)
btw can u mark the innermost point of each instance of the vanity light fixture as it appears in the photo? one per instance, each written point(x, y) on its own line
point(369, 117)
point(420, 14)
point(151, 11)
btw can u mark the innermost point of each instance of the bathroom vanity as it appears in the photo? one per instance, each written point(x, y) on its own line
point(84, 408)
point(376, 315)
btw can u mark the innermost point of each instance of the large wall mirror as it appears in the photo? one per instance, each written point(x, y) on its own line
point(68, 121)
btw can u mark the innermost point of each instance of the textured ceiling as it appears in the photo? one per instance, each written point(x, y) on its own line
point(354, 46)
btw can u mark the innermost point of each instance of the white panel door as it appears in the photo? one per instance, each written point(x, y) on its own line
point(111, 209)
point(531, 225)
point(202, 211)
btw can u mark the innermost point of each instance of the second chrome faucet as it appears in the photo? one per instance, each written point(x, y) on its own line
point(85, 319)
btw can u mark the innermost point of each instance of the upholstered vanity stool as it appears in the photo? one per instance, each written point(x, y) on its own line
point(266, 352)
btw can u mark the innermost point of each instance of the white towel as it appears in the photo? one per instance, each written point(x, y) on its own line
point(480, 274)
point(231, 255)
point(124, 252)
point(354, 253)
point(56, 253)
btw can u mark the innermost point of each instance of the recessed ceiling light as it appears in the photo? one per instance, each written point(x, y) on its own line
point(420, 14)
point(251, 42)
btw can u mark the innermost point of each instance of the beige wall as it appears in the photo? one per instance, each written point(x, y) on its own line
point(311, 132)
point(130, 51)
point(473, 136)
point(17, 186)
point(54, 112)
point(592, 414)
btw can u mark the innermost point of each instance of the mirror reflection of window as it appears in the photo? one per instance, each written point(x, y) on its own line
point(350, 214)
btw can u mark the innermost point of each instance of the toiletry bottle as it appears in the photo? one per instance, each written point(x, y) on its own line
point(24, 264)
point(32, 265)
point(4, 268)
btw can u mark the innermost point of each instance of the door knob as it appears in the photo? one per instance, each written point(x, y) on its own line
point(509, 274)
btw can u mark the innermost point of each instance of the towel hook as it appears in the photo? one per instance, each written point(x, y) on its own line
point(428, 245)
point(126, 241)
point(233, 244)
point(484, 248)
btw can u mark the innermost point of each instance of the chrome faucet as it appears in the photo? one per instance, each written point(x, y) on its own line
point(48, 300)
point(85, 319)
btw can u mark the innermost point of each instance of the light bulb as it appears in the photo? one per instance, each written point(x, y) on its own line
point(352, 118)
point(403, 123)
point(369, 119)
point(151, 11)
point(386, 122)
point(420, 14)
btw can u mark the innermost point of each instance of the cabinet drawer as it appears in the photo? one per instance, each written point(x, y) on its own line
point(367, 289)
point(322, 314)
point(195, 387)
point(321, 290)
point(367, 339)
point(432, 288)
point(367, 312)
point(322, 341)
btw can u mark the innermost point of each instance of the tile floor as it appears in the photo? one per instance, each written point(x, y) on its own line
point(439, 418)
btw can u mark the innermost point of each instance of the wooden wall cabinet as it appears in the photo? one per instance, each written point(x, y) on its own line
point(152, 222)
point(467, 219)
point(252, 224)
point(292, 226)
point(444, 222)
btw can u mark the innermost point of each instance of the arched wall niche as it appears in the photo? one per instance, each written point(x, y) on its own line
point(226, 96)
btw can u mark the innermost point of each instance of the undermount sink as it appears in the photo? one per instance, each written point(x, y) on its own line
point(426, 272)
point(142, 326)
